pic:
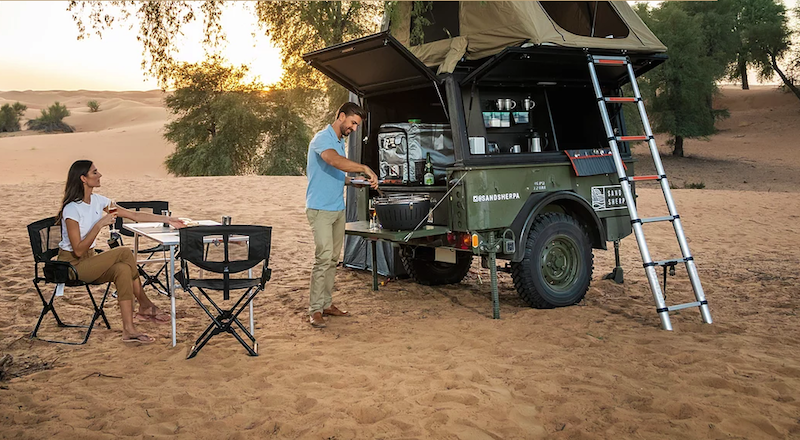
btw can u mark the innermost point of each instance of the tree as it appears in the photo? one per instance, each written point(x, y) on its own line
point(300, 27)
point(763, 38)
point(94, 106)
point(679, 93)
point(287, 142)
point(222, 124)
point(52, 120)
point(10, 115)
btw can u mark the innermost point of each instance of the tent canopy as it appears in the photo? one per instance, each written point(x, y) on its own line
point(476, 30)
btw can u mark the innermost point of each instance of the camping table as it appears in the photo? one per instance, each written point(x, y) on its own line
point(169, 236)
point(362, 229)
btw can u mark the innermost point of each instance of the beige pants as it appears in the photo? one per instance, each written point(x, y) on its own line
point(328, 229)
point(116, 265)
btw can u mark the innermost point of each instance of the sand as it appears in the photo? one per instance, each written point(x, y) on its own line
point(415, 361)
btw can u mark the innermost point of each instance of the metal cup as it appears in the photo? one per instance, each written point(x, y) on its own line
point(166, 213)
point(226, 220)
point(505, 104)
point(516, 148)
point(528, 104)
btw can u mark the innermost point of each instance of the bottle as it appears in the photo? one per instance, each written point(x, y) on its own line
point(428, 179)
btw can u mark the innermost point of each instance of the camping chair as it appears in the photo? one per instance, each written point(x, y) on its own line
point(258, 239)
point(152, 280)
point(45, 235)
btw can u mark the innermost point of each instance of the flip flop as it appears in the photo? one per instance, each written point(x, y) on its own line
point(142, 339)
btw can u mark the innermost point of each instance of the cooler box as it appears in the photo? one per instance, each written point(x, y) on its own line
point(402, 149)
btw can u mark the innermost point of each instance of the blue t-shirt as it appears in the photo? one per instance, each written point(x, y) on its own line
point(325, 183)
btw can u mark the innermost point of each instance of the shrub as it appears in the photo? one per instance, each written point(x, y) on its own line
point(94, 106)
point(52, 120)
point(698, 185)
point(9, 116)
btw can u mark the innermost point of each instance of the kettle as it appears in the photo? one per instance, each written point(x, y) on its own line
point(536, 143)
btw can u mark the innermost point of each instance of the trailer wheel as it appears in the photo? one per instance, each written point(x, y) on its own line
point(556, 268)
point(434, 273)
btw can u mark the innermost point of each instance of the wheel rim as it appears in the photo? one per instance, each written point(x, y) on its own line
point(560, 263)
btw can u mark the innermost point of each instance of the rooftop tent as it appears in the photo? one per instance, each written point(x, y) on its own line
point(477, 30)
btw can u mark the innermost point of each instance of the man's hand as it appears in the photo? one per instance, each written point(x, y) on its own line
point(372, 177)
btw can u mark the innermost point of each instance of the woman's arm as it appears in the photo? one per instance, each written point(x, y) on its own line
point(139, 216)
point(80, 247)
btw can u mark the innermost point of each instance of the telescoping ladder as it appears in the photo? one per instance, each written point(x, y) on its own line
point(625, 181)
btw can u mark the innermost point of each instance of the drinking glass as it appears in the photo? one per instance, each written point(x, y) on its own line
point(112, 209)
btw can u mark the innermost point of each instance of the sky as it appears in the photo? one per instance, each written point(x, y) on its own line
point(41, 51)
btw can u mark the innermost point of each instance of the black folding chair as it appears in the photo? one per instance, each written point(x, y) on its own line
point(157, 206)
point(258, 239)
point(45, 235)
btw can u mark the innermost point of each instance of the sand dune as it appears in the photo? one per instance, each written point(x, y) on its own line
point(125, 136)
point(428, 362)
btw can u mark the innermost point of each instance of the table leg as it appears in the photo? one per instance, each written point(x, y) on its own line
point(374, 247)
point(136, 245)
point(171, 287)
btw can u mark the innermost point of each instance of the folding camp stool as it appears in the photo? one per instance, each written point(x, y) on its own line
point(45, 235)
point(192, 239)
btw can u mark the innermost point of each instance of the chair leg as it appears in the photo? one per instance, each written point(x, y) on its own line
point(48, 307)
point(223, 322)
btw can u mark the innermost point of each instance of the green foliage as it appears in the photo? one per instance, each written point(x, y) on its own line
point(52, 120)
point(10, 115)
point(418, 21)
point(295, 27)
point(94, 106)
point(287, 143)
point(301, 27)
point(222, 124)
point(679, 93)
point(698, 185)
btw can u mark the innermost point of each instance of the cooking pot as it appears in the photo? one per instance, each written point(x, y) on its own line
point(402, 211)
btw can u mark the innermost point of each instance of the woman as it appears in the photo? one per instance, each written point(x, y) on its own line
point(83, 214)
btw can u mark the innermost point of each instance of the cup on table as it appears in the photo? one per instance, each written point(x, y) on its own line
point(226, 220)
point(166, 213)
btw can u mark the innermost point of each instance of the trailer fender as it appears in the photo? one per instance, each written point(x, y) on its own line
point(568, 201)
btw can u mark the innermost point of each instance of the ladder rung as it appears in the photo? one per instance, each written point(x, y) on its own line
point(609, 60)
point(667, 218)
point(620, 99)
point(683, 306)
point(636, 178)
point(668, 262)
point(632, 138)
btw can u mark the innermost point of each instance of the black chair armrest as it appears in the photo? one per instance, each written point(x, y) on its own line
point(59, 272)
point(266, 274)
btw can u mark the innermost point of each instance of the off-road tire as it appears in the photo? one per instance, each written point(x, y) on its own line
point(436, 273)
point(556, 268)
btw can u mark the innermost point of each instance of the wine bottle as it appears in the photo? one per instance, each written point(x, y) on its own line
point(428, 179)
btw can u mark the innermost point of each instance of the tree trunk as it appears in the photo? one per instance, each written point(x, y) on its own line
point(678, 151)
point(743, 73)
point(785, 80)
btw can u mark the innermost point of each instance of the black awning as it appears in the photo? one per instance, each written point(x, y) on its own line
point(370, 65)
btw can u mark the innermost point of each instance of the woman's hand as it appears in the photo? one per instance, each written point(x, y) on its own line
point(108, 219)
point(176, 223)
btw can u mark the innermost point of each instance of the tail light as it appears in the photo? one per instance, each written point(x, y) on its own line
point(459, 240)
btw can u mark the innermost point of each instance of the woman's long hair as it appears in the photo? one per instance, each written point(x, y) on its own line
point(73, 190)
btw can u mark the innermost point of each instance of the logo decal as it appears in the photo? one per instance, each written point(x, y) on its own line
point(494, 197)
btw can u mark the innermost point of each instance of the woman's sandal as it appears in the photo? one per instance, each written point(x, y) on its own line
point(141, 338)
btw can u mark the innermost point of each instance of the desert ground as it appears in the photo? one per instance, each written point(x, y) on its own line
point(418, 362)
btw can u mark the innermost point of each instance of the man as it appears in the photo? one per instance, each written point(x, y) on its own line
point(325, 205)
